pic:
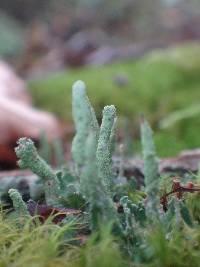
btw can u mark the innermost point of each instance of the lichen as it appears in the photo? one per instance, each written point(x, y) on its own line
point(105, 146)
point(18, 204)
point(84, 119)
point(151, 172)
point(30, 159)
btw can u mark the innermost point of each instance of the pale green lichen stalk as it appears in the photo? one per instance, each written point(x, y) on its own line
point(84, 119)
point(93, 188)
point(104, 148)
point(113, 137)
point(89, 179)
point(30, 159)
point(151, 172)
point(18, 203)
point(92, 152)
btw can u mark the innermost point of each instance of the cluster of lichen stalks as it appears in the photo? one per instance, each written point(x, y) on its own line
point(93, 175)
point(104, 199)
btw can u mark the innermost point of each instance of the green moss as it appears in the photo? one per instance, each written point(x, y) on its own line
point(40, 245)
point(157, 84)
point(166, 252)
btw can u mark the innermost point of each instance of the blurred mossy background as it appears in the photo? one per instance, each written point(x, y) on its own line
point(142, 56)
point(157, 85)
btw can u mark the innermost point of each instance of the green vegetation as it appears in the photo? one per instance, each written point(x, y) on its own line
point(108, 226)
point(157, 85)
point(41, 245)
